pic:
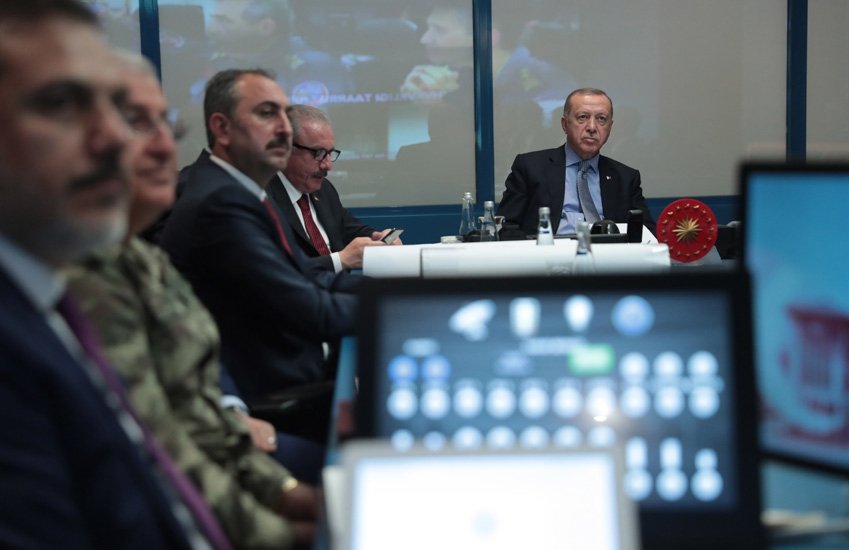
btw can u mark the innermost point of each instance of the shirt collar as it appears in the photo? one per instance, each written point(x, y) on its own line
point(294, 194)
point(572, 158)
point(38, 281)
point(239, 176)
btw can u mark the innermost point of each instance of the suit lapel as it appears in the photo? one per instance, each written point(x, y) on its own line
point(278, 193)
point(555, 185)
point(324, 212)
point(608, 184)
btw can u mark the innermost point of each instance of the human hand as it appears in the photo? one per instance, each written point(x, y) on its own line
point(431, 78)
point(263, 434)
point(352, 255)
point(300, 503)
point(378, 236)
point(304, 534)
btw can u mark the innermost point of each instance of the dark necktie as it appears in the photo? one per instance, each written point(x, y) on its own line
point(312, 229)
point(188, 495)
point(584, 196)
point(276, 219)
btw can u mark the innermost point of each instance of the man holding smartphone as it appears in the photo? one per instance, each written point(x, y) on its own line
point(324, 229)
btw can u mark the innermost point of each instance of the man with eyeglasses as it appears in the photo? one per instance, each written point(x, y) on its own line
point(574, 179)
point(77, 469)
point(165, 344)
point(274, 309)
point(323, 228)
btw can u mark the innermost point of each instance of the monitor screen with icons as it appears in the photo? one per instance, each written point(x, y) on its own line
point(656, 364)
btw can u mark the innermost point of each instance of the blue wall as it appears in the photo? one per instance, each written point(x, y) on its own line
point(425, 224)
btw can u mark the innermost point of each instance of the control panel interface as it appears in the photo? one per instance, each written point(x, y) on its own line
point(649, 371)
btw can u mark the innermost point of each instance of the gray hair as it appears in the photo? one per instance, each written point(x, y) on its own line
point(299, 114)
point(135, 61)
point(586, 91)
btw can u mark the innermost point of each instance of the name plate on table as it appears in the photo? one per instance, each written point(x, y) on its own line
point(511, 258)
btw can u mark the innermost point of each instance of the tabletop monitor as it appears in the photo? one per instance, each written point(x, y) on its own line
point(563, 499)
point(793, 225)
point(657, 364)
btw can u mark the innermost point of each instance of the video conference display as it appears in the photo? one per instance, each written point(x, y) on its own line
point(396, 79)
point(650, 370)
point(793, 221)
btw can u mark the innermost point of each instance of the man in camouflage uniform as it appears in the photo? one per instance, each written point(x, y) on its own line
point(165, 345)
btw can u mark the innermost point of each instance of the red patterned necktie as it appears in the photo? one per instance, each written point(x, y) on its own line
point(186, 492)
point(276, 219)
point(312, 228)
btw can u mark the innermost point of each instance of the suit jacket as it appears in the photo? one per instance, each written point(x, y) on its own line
point(340, 225)
point(273, 309)
point(538, 179)
point(153, 234)
point(69, 476)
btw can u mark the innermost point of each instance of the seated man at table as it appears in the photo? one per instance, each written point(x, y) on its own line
point(574, 180)
point(165, 345)
point(273, 308)
point(323, 228)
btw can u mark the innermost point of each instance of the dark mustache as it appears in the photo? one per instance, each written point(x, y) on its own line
point(282, 142)
point(109, 168)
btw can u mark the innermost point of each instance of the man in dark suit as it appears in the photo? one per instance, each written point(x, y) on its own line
point(306, 197)
point(71, 474)
point(550, 177)
point(274, 309)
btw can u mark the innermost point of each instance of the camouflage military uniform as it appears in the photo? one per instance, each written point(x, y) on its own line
point(165, 345)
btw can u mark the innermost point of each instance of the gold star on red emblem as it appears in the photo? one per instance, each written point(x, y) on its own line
point(689, 228)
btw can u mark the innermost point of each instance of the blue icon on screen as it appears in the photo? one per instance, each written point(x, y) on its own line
point(633, 316)
point(436, 369)
point(402, 369)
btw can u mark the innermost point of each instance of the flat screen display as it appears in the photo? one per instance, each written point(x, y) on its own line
point(793, 222)
point(650, 363)
point(569, 498)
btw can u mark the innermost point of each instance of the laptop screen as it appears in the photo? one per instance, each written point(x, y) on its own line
point(653, 363)
point(487, 499)
point(793, 219)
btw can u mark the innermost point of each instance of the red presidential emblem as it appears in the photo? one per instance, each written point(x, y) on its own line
point(689, 228)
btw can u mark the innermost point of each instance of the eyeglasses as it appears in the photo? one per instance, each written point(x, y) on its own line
point(320, 154)
point(142, 123)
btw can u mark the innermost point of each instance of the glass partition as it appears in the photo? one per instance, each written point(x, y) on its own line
point(828, 80)
point(395, 78)
point(696, 87)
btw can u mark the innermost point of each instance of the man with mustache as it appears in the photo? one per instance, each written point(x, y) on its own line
point(76, 470)
point(165, 344)
point(304, 194)
point(550, 177)
point(274, 309)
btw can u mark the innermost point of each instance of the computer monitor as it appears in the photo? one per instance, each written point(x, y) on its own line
point(562, 498)
point(657, 363)
point(794, 223)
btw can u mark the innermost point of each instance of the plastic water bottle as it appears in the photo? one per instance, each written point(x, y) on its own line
point(488, 232)
point(544, 234)
point(467, 222)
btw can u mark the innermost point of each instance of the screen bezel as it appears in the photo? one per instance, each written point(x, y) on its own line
point(747, 172)
point(659, 529)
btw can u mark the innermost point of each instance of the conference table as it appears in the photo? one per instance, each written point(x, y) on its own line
point(513, 258)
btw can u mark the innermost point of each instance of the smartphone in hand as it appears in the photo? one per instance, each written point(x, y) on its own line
point(393, 234)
